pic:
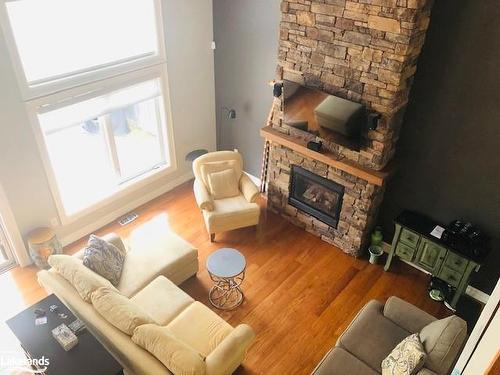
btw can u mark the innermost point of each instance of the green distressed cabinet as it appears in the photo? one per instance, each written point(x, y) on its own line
point(414, 244)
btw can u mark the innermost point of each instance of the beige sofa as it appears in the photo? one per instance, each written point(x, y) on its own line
point(377, 329)
point(225, 214)
point(150, 272)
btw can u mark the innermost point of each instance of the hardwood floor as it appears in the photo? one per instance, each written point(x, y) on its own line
point(301, 292)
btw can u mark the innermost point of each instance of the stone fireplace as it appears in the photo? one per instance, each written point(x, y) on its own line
point(361, 50)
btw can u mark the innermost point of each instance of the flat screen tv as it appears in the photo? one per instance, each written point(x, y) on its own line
point(326, 116)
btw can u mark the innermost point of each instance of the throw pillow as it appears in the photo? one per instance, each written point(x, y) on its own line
point(177, 356)
point(83, 279)
point(406, 358)
point(223, 184)
point(104, 258)
point(119, 310)
point(215, 166)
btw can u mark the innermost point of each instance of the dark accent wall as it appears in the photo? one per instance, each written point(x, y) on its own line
point(246, 36)
point(449, 147)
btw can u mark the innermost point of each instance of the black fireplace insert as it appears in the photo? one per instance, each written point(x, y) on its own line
point(315, 195)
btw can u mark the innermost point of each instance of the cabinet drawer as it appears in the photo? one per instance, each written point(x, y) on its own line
point(409, 238)
point(455, 262)
point(405, 252)
point(452, 277)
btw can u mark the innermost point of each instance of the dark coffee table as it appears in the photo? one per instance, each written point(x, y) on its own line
point(87, 357)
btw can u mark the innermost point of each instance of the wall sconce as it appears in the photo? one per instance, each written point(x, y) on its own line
point(231, 113)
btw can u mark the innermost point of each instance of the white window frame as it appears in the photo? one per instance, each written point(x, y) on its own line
point(84, 76)
point(4, 240)
point(97, 89)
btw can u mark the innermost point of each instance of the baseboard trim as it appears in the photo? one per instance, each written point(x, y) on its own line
point(477, 294)
point(472, 292)
point(86, 230)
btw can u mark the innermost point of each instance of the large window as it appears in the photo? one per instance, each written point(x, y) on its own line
point(93, 76)
point(60, 41)
point(96, 146)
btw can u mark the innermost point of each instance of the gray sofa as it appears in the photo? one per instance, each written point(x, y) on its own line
point(377, 329)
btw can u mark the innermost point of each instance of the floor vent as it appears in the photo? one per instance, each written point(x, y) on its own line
point(128, 218)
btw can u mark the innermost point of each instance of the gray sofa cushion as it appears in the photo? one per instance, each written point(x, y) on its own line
point(340, 362)
point(442, 341)
point(371, 336)
point(406, 315)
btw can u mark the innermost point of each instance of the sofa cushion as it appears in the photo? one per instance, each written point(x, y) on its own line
point(406, 358)
point(153, 254)
point(340, 362)
point(406, 315)
point(200, 328)
point(231, 213)
point(176, 355)
point(162, 300)
point(442, 341)
point(119, 310)
point(223, 184)
point(371, 336)
point(134, 359)
point(104, 258)
point(83, 279)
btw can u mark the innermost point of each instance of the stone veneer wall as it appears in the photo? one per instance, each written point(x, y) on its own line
point(363, 50)
point(359, 206)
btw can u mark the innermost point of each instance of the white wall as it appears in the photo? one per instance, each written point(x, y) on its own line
point(188, 36)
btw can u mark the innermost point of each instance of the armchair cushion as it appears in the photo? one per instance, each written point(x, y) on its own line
point(248, 188)
point(442, 341)
point(231, 213)
point(176, 355)
point(216, 166)
point(223, 184)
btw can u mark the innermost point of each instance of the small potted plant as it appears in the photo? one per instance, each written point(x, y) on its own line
point(375, 248)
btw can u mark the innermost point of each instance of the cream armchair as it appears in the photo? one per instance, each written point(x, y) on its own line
point(224, 193)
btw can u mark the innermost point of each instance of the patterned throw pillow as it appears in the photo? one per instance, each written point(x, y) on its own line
point(406, 358)
point(104, 259)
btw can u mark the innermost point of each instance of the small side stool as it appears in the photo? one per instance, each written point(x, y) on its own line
point(226, 268)
point(42, 243)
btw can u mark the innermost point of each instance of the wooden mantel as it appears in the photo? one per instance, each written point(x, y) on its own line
point(374, 177)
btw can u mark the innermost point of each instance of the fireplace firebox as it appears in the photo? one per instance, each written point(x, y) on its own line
point(315, 195)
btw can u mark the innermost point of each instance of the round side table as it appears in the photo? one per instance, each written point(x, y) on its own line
point(226, 268)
